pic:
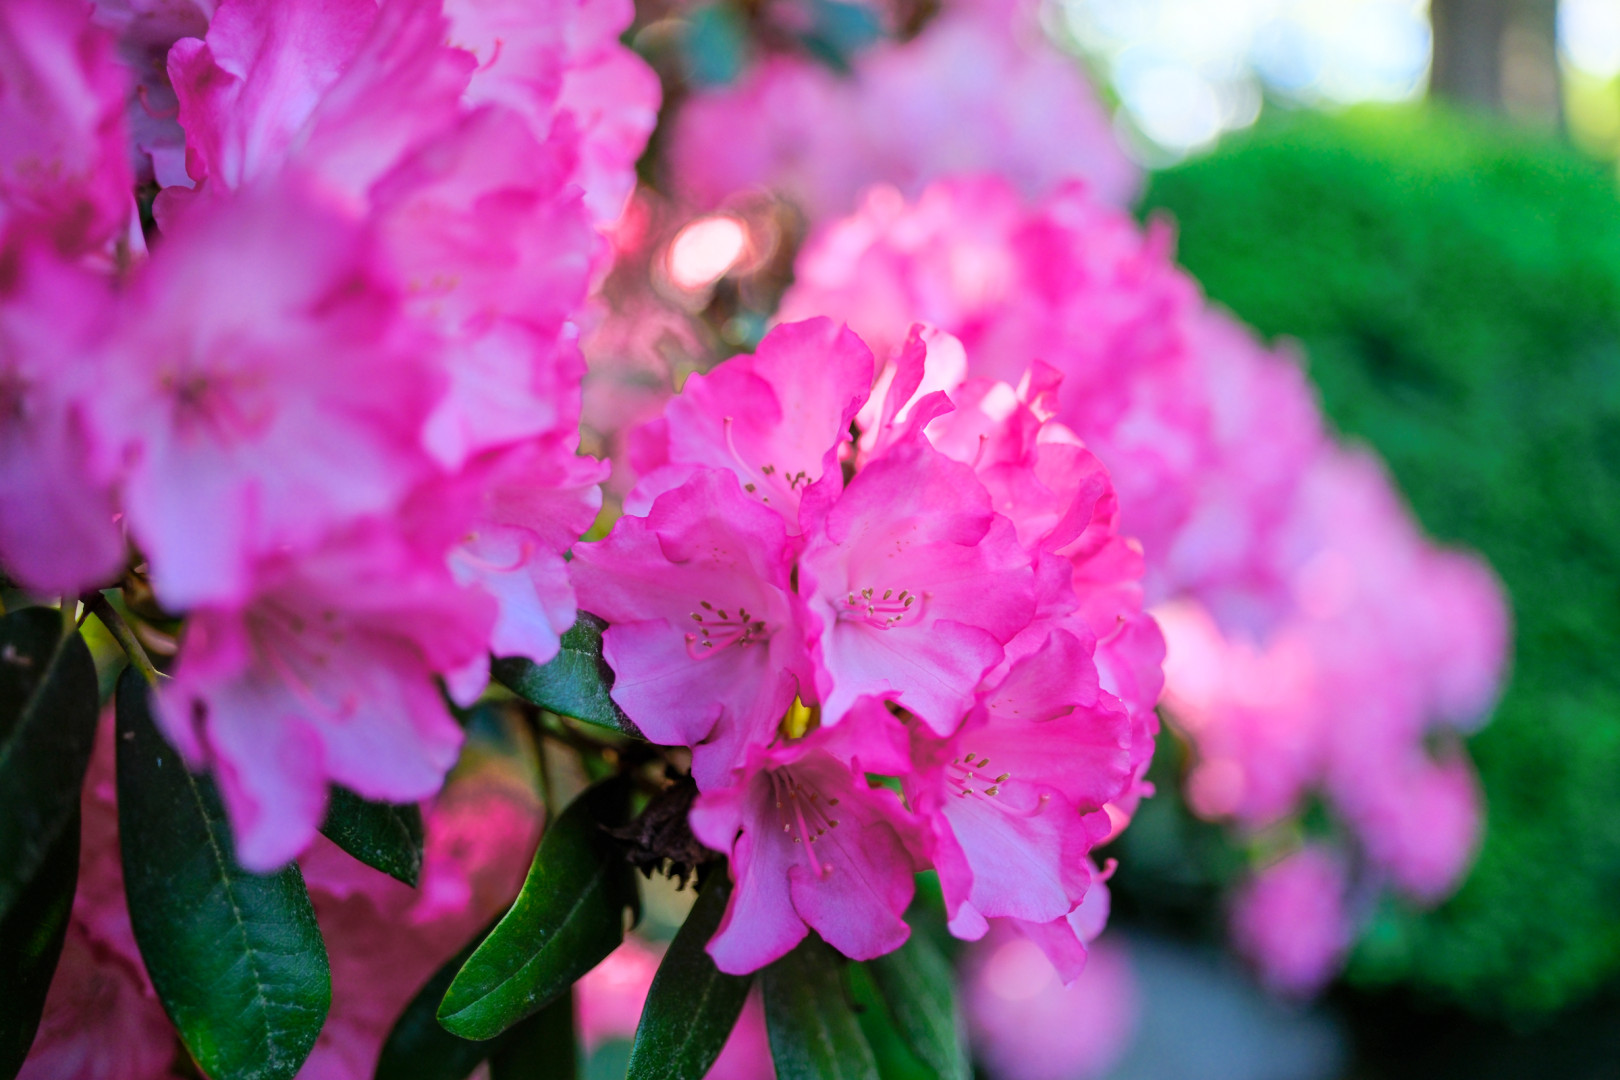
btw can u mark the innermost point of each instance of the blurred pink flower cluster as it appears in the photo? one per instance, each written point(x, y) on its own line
point(330, 391)
point(942, 598)
point(103, 1020)
point(1318, 643)
point(1027, 1023)
point(981, 87)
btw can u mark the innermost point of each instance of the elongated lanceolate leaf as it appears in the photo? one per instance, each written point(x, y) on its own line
point(418, 1047)
point(692, 1005)
point(236, 958)
point(47, 728)
point(576, 682)
point(384, 836)
point(814, 1033)
point(569, 916)
point(919, 987)
point(541, 1047)
point(31, 937)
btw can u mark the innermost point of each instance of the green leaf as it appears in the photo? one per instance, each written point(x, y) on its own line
point(236, 958)
point(919, 987)
point(894, 1058)
point(418, 1048)
point(692, 1005)
point(569, 916)
point(576, 682)
point(47, 729)
point(384, 836)
point(31, 943)
point(541, 1047)
point(814, 1033)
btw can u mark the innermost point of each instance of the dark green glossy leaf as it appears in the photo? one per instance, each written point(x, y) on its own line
point(814, 1033)
point(418, 1048)
point(47, 728)
point(236, 958)
point(31, 943)
point(919, 987)
point(384, 836)
point(540, 1048)
point(569, 916)
point(692, 1005)
point(894, 1058)
point(576, 682)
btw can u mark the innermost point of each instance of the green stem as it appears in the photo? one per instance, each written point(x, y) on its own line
point(114, 622)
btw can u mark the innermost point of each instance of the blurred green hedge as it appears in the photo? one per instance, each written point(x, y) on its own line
point(1457, 290)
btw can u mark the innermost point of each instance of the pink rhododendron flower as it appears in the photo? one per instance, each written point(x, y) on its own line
point(1015, 798)
point(1419, 820)
point(916, 583)
point(706, 640)
point(536, 498)
point(777, 419)
point(1076, 284)
point(938, 642)
point(565, 64)
point(1253, 713)
point(326, 675)
point(977, 89)
point(1291, 921)
point(145, 31)
point(353, 355)
point(495, 250)
point(259, 391)
point(1027, 1024)
point(248, 88)
point(813, 847)
point(57, 532)
point(64, 168)
point(1316, 638)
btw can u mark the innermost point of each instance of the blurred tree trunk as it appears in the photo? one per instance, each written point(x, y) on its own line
point(1468, 51)
point(1498, 56)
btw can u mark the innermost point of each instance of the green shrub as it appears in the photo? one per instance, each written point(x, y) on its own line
point(1457, 290)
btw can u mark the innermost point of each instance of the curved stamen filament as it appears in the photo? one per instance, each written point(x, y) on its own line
point(718, 629)
point(971, 778)
point(806, 815)
point(765, 474)
point(883, 611)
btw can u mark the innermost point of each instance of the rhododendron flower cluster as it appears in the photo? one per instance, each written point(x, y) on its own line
point(981, 87)
point(292, 296)
point(942, 598)
point(1317, 642)
point(329, 392)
